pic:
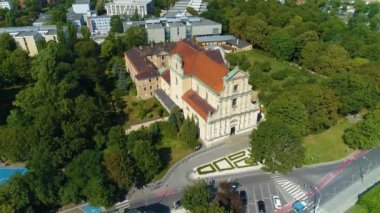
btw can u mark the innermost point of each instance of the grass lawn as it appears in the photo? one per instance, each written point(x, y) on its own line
point(327, 145)
point(368, 202)
point(171, 151)
point(141, 110)
point(358, 209)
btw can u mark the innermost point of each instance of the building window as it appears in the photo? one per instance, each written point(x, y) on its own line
point(162, 57)
point(150, 87)
point(215, 30)
point(176, 81)
point(236, 88)
point(157, 79)
point(177, 30)
point(150, 80)
point(234, 102)
point(144, 88)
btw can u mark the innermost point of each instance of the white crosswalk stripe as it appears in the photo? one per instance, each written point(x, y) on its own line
point(123, 205)
point(292, 189)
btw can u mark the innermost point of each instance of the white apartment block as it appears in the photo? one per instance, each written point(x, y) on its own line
point(129, 7)
point(6, 4)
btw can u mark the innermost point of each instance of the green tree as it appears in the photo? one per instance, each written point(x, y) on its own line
point(277, 146)
point(366, 133)
point(135, 36)
point(340, 63)
point(310, 55)
point(7, 42)
point(257, 32)
point(16, 195)
point(176, 118)
point(281, 45)
point(85, 33)
point(289, 109)
point(354, 91)
point(120, 167)
point(188, 132)
point(321, 106)
point(147, 159)
point(196, 196)
point(116, 24)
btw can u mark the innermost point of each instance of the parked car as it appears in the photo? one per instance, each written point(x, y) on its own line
point(243, 197)
point(277, 202)
point(177, 204)
point(261, 206)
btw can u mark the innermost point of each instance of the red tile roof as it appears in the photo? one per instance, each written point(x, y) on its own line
point(166, 76)
point(205, 66)
point(198, 104)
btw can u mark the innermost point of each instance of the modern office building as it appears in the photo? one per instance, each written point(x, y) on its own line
point(6, 4)
point(99, 25)
point(129, 7)
point(200, 83)
point(27, 37)
point(176, 29)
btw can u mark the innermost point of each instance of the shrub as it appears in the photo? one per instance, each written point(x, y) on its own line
point(279, 75)
point(264, 66)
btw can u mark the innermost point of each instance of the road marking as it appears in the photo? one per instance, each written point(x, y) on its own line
point(262, 193)
point(293, 190)
point(290, 186)
point(299, 195)
point(270, 196)
point(286, 184)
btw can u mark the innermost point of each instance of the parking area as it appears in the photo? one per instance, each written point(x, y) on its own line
point(262, 192)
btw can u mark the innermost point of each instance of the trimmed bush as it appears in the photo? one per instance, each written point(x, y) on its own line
point(199, 169)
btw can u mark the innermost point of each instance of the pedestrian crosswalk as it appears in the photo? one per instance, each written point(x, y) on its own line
point(122, 205)
point(294, 190)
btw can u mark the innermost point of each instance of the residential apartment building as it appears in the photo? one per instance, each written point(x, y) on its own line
point(176, 29)
point(200, 83)
point(129, 7)
point(28, 37)
point(6, 4)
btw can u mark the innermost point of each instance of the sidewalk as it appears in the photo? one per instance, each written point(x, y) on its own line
point(349, 196)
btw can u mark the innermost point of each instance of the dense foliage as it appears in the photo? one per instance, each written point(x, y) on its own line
point(318, 37)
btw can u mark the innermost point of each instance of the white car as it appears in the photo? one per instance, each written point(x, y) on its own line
point(277, 202)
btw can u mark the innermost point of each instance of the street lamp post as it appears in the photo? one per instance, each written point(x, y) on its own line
point(370, 164)
point(315, 197)
point(146, 198)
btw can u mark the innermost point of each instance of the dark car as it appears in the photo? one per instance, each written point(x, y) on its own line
point(261, 206)
point(243, 197)
point(198, 147)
